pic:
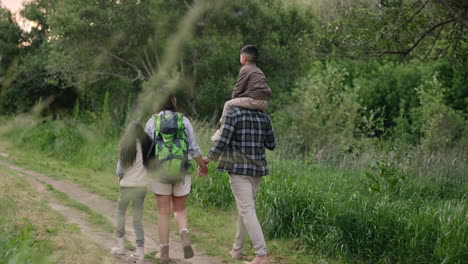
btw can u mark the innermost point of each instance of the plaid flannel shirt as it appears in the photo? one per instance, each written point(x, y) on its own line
point(241, 148)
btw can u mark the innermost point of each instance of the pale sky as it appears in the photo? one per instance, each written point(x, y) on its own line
point(15, 6)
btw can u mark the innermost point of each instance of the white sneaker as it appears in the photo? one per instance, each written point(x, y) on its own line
point(119, 249)
point(138, 257)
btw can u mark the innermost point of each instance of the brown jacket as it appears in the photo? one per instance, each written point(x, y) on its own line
point(252, 83)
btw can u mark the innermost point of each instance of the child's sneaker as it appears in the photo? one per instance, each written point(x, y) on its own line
point(138, 257)
point(119, 249)
point(216, 136)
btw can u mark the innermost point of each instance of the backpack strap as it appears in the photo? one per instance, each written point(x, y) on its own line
point(180, 125)
point(157, 124)
point(157, 129)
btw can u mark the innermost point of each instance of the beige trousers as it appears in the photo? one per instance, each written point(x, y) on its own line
point(245, 189)
point(244, 102)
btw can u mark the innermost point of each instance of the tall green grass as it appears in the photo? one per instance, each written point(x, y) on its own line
point(87, 145)
point(337, 213)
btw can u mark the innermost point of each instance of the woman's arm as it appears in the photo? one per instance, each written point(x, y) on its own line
point(203, 169)
point(193, 148)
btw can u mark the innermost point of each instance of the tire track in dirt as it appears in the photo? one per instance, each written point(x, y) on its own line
point(107, 209)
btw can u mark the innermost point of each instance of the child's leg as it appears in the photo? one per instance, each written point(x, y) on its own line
point(230, 104)
point(227, 106)
point(137, 205)
point(252, 104)
point(122, 205)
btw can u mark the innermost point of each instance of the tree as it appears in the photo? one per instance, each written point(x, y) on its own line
point(10, 39)
point(32, 82)
point(425, 30)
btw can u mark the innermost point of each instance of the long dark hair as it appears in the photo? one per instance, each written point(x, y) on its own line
point(128, 147)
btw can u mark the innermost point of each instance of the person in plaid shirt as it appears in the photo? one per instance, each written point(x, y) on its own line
point(241, 152)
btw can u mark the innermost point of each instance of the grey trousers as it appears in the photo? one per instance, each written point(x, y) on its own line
point(245, 189)
point(136, 195)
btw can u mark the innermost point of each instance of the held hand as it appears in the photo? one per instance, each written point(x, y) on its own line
point(203, 171)
point(202, 166)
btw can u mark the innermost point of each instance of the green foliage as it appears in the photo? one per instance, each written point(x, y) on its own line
point(222, 34)
point(441, 126)
point(60, 139)
point(323, 113)
point(401, 29)
point(99, 58)
point(389, 88)
point(385, 177)
point(214, 192)
point(10, 37)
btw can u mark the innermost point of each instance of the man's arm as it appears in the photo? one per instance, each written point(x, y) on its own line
point(241, 84)
point(226, 136)
point(270, 139)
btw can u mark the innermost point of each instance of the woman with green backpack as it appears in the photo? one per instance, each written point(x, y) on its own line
point(174, 145)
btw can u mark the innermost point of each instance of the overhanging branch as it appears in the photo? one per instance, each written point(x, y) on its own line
point(424, 35)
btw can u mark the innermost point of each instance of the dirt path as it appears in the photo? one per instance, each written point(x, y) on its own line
point(107, 209)
point(103, 239)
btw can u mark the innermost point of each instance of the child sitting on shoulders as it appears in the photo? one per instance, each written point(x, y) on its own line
point(251, 90)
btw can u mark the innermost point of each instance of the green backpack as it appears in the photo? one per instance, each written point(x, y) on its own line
point(170, 148)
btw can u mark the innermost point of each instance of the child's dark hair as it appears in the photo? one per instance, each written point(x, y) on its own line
point(128, 147)
point(251, 53)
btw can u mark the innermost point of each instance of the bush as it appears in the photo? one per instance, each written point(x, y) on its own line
point(60, 139)
point(441, 127)
point(68, 140)
point(323, 114)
